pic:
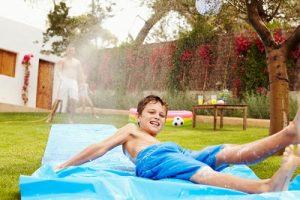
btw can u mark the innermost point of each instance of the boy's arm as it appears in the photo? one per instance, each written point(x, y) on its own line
point(89, 90)
point(96, 150)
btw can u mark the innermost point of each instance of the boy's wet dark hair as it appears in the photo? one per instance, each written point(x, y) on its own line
point(142, 104)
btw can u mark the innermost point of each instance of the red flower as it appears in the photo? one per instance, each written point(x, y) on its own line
point(26, 63)
point(26, 59)
point(186, 55)
point(204, 51)
point(261, 90)
point(278, 36)
point(237, 83)
point(242, 44)
point(234, 67)
point(154, 56)
point(295, 54)
point(259, 45)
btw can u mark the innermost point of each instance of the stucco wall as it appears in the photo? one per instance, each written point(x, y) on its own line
point(21, 39)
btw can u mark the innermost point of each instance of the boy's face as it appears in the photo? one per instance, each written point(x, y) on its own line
point(153, 118)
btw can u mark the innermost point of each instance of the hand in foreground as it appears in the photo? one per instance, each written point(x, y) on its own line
point(58, 168)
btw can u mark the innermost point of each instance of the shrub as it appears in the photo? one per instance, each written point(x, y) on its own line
point(258, 105)
point(110, 99)
point(181, 101)
point(293, 106)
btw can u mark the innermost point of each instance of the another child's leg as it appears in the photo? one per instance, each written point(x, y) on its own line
point(258, 150)
point(90, 102)
point(278, 181)
point(83, 103)
point(80, 102)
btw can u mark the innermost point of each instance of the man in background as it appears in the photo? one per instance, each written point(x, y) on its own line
point(69, 73)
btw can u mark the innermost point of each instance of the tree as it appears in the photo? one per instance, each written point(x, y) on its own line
point(79, 30)
point(185, 8)
point(259, 14)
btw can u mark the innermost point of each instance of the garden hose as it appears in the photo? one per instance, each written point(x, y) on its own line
point(48, 118)
point(33, 121)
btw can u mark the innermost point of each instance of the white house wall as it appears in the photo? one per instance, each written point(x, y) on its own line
point(21, 39)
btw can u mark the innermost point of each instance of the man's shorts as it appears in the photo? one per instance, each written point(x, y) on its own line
point(169, 160)
point(68, 89)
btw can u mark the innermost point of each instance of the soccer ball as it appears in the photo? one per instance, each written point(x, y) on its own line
point(177, 121)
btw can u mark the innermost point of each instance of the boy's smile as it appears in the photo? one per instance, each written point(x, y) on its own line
point(153, 118)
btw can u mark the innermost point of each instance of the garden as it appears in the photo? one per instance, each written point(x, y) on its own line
point(254, 62)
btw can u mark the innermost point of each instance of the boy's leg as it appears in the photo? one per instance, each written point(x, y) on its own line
point(278, 182)
point(258, 150)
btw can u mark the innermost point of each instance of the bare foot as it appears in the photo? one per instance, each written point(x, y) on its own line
point(297, 121)
point(293, 128)
point(290, 162)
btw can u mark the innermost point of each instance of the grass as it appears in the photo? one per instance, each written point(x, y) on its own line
point(24, 138)
point(22, 145)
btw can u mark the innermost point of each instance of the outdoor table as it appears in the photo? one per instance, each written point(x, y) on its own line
point(220, 107)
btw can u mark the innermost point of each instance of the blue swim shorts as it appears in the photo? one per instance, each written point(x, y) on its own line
point(169, 160)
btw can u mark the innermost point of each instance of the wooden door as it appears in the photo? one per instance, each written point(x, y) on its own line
point(45, 85)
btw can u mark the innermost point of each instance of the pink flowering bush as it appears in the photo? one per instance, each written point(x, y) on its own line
point(251, 64)
point(26, 63)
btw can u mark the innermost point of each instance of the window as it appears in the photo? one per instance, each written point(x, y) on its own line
point(7, 63)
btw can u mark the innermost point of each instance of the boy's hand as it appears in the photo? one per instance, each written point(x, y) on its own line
point(58, 168)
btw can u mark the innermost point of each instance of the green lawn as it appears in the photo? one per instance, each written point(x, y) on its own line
point(23, 138)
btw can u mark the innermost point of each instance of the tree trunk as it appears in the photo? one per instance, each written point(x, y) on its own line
point(279, 89)
point(148, 26)
point(276, 61)
point(163, 8)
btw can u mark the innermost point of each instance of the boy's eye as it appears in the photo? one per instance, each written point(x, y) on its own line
point(162, 115)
